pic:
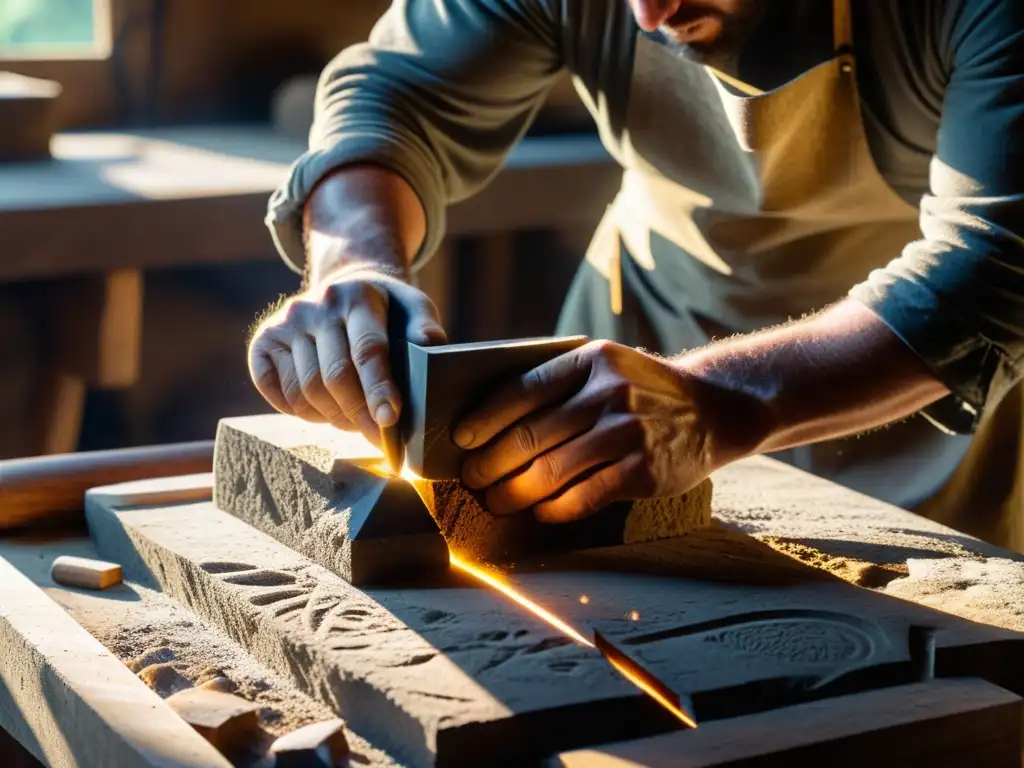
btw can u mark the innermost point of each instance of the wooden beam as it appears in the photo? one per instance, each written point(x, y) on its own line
point(40, 490)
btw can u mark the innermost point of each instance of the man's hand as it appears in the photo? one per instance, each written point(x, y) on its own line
point(323, 356)
point(599, 424)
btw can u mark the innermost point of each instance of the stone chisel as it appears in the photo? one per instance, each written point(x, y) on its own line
point(392, 439)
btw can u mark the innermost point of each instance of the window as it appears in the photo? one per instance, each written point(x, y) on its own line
point(54, 29)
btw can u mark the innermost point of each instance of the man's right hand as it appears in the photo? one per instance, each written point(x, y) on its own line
point(323, 356)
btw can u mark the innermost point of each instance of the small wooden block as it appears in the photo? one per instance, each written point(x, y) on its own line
point(445, 382)
point(82, 572)
point(320, 745)
point(29, 115)
point(230, 723)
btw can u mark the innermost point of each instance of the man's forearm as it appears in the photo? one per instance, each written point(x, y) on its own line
point(838, 373)
point(363, 213)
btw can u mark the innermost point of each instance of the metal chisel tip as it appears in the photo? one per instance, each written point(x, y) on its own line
point(393, 446)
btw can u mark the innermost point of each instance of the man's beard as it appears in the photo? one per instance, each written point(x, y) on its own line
point(721, 52)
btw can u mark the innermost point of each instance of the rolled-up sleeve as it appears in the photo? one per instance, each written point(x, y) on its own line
point(956, 296)
point(439, 94)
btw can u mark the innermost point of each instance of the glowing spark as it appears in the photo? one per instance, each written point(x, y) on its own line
point(655, 694)
point(634, 615)
point(492, 580)
point(584, 599)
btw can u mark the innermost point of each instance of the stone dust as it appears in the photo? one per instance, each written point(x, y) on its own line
point(859, 572)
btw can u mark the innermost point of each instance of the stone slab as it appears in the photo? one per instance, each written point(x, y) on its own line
point(446, 673)
point(164, 643)
point(70, 702)
point(775, 633)
point(326, 494)
point(304, 483)
point(941, 724)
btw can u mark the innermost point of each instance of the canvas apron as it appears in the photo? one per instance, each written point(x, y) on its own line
point(766, 206)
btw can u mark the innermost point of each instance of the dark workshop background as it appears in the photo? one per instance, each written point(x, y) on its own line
point(200, 62)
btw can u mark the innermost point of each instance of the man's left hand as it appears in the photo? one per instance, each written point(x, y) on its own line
point(600, 424)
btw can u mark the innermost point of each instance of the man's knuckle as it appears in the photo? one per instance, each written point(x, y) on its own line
point(524, 439)
point(536, 379)
point(338, 373)
point(297, 310)
point(368, 347)
point(379, 391)
point(549, 468)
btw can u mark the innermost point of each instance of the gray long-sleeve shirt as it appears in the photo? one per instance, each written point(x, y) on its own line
point(444, 88)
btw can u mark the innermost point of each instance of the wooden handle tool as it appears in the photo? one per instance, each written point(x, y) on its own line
point(44, 489)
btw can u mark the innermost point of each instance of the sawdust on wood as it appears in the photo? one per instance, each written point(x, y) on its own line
point(859, 572)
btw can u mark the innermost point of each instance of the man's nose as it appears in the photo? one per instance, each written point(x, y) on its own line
point(651, 14)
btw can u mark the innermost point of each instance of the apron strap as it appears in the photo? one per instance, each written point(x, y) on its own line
point(842, 25)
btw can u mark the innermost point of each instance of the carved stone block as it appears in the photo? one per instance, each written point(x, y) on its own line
point(452, 672)
point(322, 492)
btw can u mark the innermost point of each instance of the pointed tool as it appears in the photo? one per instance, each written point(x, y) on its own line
point(392, 438)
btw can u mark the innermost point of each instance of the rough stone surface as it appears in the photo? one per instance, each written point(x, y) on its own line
point(169, 647)
point(301, 483)
point(423, 668)
point(70, 702)
point(989, 591)
point(439, 674)
point(308, 485)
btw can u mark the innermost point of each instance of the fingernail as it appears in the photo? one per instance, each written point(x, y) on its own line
point(463, 437)
point(385, 415)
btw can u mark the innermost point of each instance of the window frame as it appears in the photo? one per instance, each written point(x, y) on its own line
point(89, 98)
point(98, 50)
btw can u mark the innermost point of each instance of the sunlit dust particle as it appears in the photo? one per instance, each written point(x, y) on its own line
point(584, 599)
point(634, 615)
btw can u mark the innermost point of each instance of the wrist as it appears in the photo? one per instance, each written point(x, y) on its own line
point(737, 421)
point(335, 257)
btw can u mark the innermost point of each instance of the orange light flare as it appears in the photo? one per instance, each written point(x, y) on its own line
point(650, 690)
point(494, 580)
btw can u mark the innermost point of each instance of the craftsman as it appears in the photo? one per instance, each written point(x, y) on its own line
point(832, 193)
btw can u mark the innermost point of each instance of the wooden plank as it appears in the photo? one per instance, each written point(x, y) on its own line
point(941, 724)
point(38, 490)
point(70, 702)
